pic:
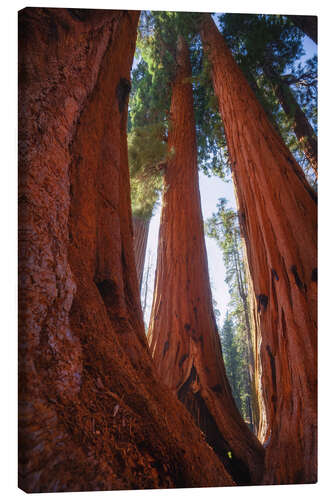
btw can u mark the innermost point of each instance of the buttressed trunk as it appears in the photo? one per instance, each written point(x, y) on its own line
point(92, 413)
point(182, 333)
point(278, 217)
point(140, 237)
point(301, 125)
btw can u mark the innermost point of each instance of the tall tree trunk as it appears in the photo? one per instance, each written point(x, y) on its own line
point(140, 235)
point(242, 292)
point(258, 407)
point(302, 128)
point(92, 412)
point(182, 333)
point(278, 219)
point(308, 24)
point(243, 295)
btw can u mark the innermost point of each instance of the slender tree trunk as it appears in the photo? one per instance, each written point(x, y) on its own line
point(252, 403)
point(243, 296)
point(92, 412)
point(140, 235)
point(302, 128)
point(146, 284)
point(182, 333)
point(308, 24)
point(278, 219)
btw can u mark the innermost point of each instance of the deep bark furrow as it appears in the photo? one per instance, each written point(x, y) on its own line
point(278, 228)
point(93, 414)
point(182, 313)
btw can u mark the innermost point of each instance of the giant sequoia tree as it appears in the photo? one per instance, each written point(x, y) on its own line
point(100, 407)
point(266, 47)
point(91, 408)
point(224, 228)
point(182, 332)
point(277, 210)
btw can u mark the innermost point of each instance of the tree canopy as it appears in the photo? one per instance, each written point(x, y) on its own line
point(268, 48)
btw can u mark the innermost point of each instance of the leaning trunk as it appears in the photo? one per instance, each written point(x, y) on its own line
point(92, 413)
point(140, 237)
point(182, 333)
point(277, 209)
point(302, 128)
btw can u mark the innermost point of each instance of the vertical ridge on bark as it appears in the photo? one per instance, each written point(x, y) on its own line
point(140, 236)
point(92, 412)
point(182, 333)
point(277, 210)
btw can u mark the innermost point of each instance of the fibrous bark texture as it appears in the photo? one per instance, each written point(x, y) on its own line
point(299, 122)
point(140, 235)
point(182, 333)
point(92, 413)
point(277, 210)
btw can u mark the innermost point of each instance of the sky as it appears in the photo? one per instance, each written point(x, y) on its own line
point(9, 224)
point(211, 189)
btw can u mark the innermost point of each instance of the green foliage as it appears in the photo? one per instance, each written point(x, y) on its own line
point(255, 39)
point(233, 340)
point(211, 142)
point(152, 83)
point(303, 81)
point(274, 42)
point(224, 228)
point(230, 356)
point(147, 154)
point(150, 103)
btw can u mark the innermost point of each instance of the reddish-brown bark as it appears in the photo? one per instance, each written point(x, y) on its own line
point(92, 413)
point(140, 236)
point(277, 210)
point(182, 333)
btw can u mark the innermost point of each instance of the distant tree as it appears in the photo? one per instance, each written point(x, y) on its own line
point(230, 356)
point(147, 279)
point(223, 226)
point(267, 48)
point(149, 117)
point(182, 333)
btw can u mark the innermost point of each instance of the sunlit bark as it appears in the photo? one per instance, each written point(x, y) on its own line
point(140, 236)
point(93, 414)
point(183, 335)
point(278, 218)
